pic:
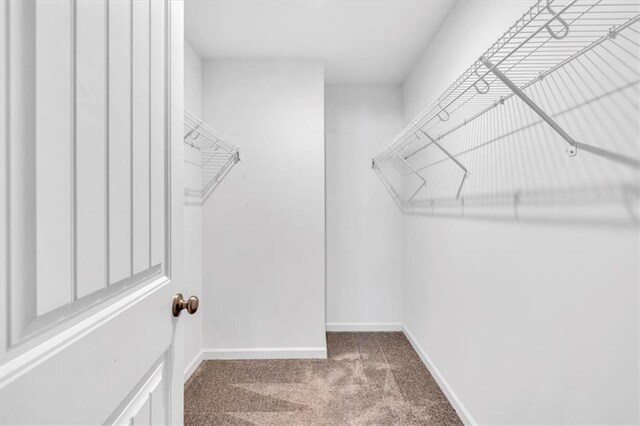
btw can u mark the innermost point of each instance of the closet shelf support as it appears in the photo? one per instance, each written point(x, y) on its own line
point(573, 145)
point(215, 157)
point(415, 172)
point(451, 157)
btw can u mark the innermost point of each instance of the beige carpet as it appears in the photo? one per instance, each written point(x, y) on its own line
point(369, 379)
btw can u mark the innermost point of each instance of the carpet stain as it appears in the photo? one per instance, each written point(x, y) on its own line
point(368, 379)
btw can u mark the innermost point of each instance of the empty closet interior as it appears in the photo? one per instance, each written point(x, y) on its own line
point(467, 173)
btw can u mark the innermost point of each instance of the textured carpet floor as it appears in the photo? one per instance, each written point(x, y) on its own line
point(368, 379)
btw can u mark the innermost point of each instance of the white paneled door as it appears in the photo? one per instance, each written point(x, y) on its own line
point(90, 211)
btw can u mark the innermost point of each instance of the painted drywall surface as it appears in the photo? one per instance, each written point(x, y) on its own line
point(193, 80)
point(192, 213)
point(264, 226)
point(364, 226)
point(526, 322)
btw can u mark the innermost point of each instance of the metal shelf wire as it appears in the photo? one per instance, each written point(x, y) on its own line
point(210, 153)
point(561, 60)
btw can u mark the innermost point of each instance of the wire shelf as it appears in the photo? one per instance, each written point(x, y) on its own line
point(213, 156)
point(560, 62)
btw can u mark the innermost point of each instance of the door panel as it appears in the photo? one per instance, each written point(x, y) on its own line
point(147, 406)
point(140, 149)
point(157, 130)
point(76, 226)
point(88, 273)
point(53, 146)
point(91, 148)
point(86, 378)
point(120, 257)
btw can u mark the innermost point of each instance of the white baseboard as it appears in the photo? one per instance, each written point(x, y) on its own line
point(364, 326)
point(193, 365)
point(265, 353)
point(465, 416)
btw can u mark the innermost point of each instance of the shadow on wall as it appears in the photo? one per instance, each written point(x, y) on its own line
point(487, 154)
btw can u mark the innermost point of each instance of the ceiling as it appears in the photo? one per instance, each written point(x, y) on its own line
point(361, 41)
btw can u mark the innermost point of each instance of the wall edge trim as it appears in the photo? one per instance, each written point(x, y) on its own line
point(364, 326)
point(265, 353)
point(193, 366)
point(464, 414)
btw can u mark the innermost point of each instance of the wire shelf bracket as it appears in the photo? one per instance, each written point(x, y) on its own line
point(573, 149)
point(211, 153)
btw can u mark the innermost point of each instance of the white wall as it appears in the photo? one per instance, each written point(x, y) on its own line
point(193, 80)
point(264, 227)
point(192, 213)
point(364, 226)
point(526, 322)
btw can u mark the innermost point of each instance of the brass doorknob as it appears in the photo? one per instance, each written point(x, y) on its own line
point(191, 305)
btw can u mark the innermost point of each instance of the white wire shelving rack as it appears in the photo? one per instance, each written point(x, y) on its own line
point(211, 153)
point(560, 62)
